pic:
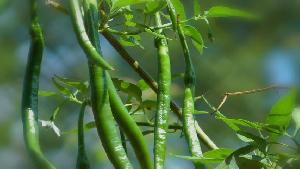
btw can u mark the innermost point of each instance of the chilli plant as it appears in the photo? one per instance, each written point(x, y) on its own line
point(117, 123)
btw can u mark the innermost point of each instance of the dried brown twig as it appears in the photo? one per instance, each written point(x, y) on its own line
point(252, 91)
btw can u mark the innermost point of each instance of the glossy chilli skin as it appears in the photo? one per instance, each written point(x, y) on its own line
point(129, 127)
point(82, 160)
point(163, 99)
point(30, 93)
point(99, 88)
point(188, 108)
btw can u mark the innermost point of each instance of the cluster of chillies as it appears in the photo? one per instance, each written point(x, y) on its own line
point(107, 105)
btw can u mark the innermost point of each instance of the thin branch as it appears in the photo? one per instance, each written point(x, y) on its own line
point(246, 92)
point(153, 85)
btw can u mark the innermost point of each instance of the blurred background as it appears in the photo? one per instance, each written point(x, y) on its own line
point(244, 55)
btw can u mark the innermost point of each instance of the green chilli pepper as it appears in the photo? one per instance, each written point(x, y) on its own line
point(30, 93)
point(129, 127)
point(189, 123)
point(163, 98)
point(84, 40)
point(104, 120)
point(82, 160)
point(99, 88)
point(188, 108)
point(172, 14)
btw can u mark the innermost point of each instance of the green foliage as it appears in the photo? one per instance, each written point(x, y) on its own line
point(131, 40)
point(155, 6)
point(281, 113)
point(259, 139)
point(128, 88)
point(117, 4)
point(195, 36)
point(197, 8)
point(179, 8)
point(222, 11)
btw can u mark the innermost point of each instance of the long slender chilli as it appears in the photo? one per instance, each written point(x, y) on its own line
point(153, 85)
point(172, 14)
point(99, 90)
point(129, 127)
point(163, 98)
point(82, 160)
point(84, 40)
point(30, 93)
point(188, 108)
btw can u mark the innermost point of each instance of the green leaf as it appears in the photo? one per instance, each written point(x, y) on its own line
point(81, 86)
point(222, 11)
point(129, 22)
point(117, 4)
point(197, 9)
point(44, 93)
point(128, 88)
point(62, 89)
point(250, 138)
point(249, 163)
point(195, 36)
point(236, 123)
point(230, 165)
point(146, 106)
point(281, 112)
point(213, 156)
point(179, 8)
point(149, 105)
point(235, 161)
point(218, 155)
point(154, 6)
point(131, 40)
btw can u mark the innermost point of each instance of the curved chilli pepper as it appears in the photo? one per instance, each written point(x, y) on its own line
point(188, 108)
point(104, 120)
point(30, 93)
point(129, 127)
point(82, 160)
point(163, 99)
point(99, 93)
point(189, 124)
point(84, 40)
point(172, 14)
